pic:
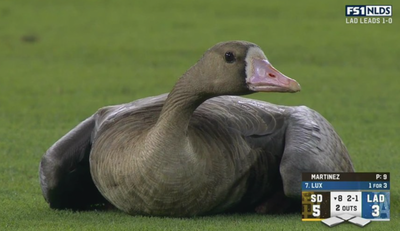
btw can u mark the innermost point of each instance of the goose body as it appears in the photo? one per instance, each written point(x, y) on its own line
point(196, 150)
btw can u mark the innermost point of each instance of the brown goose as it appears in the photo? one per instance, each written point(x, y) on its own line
point(196, 151)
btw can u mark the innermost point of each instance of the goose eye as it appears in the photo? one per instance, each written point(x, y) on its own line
point(230, 57)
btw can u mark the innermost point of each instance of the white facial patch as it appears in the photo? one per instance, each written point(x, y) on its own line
point(253, 53)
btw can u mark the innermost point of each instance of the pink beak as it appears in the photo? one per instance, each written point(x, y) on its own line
point(266, 78)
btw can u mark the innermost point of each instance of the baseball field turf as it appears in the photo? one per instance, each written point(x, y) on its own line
point(62, 60)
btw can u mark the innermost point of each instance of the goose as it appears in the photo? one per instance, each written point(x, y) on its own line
point(201, 149)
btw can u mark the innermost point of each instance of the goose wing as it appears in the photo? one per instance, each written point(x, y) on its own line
point(64, 171)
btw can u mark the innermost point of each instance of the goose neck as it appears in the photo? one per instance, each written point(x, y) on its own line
point(180, 105)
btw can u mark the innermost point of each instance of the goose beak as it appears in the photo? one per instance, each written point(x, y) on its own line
point(265, 78)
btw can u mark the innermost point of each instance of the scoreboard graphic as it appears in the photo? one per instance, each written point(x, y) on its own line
point(365, 195)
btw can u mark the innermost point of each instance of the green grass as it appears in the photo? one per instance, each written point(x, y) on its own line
point(88, 54)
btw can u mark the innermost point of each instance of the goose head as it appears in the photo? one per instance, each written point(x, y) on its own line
point(239, 68)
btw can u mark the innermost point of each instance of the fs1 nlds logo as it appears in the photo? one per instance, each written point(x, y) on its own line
point(368, 11)
point(374, 14)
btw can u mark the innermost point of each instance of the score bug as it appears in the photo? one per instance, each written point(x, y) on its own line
point(365, 195)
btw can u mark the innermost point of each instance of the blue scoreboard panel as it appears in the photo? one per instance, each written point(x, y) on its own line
point(365, 195)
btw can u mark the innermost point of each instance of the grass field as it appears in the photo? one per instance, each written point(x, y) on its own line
point(62, 60)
